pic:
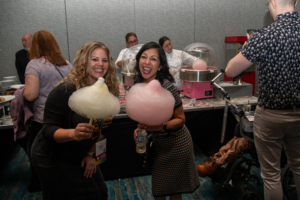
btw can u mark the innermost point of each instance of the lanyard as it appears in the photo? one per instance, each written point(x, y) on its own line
point(100, 124)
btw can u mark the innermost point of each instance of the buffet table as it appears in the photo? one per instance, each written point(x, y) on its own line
point(204, 120)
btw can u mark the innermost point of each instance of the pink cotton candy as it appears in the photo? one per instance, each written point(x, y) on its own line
point(149, 103)
point(199, 65)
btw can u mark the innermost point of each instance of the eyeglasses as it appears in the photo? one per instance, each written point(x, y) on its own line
point(133, 42)
point(267, 5)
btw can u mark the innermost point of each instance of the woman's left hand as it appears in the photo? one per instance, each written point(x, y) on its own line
point(90, 166)
point(150, 128)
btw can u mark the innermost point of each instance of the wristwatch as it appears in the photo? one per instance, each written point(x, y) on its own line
point(92, 154)
point(164, 128)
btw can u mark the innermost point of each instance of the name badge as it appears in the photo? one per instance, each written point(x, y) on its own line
point(101, 152)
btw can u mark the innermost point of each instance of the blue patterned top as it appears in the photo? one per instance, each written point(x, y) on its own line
point(276, 49)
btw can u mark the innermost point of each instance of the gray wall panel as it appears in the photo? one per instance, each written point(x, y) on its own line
point(298, 8)
point(217, 19)
point(185, 22)
point(106, 21)
point(172, 18)
point(18, 17)
point(256, 15)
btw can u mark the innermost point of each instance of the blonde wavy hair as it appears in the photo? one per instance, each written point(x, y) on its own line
point(78, 75)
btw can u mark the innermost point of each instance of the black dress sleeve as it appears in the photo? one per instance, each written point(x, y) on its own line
point(174, 91)
point(57, 109)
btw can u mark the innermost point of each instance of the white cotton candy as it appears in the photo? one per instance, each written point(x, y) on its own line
point(129, 64)
point(95, 101)
point(149, 103)
point(199, 64)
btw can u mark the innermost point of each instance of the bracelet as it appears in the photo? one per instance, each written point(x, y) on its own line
point(92, 154)
point(164, 128)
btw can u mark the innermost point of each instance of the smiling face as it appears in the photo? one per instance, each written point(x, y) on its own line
point(168, 47)
point(132, 40)
point(98, 65)
point(149, 64)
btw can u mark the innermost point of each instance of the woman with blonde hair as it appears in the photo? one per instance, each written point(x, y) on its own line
point(63, 152)
point(46, 68)
point(79, 76)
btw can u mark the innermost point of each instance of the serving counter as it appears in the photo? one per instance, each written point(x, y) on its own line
point(204, 120)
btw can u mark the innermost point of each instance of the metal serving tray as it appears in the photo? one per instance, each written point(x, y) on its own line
point(128, 78)
point(190, 75)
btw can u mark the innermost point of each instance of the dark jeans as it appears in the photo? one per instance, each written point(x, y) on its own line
point(23, 143)
point(34, 130)
point(34, 184)
point(64, 179)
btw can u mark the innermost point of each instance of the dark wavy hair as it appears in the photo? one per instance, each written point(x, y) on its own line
point(161, 74)
point(130, 34)
point(162, 40)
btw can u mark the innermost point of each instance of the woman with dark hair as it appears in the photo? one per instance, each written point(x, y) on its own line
point(174, 168)
point(131, 40)
point(46, 68)
point(63, 153)
point(162, 73)
point(176, 59)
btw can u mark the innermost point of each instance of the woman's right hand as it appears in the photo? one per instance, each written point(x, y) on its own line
point(135, 134)
point(83, 131)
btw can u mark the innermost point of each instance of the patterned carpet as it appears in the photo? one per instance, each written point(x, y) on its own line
point(15, 175)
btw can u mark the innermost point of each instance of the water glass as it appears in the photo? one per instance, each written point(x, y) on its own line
point(6, 85)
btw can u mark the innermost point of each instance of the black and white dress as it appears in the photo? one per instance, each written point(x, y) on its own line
point(174, 168)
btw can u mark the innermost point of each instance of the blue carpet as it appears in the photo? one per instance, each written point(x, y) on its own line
point(15, 176)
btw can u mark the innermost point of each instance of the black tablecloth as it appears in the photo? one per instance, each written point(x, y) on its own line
point(123, 161)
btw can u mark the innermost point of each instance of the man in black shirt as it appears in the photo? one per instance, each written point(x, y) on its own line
point(276, 49)
point(22, 57)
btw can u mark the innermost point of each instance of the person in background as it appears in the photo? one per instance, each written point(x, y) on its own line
point(176, 59)
point(22, 57)
point(277, 116)
point(63, 153)
point(131, 40)
point(174, 169)
point(47, 67)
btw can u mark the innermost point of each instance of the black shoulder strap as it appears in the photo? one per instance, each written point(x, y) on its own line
point(58, 71)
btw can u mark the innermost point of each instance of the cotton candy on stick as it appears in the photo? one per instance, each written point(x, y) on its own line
point(149, 103)
point(199, 64)
point(94, 101)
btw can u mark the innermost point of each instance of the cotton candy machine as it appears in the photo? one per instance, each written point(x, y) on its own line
point(128, 63)
point(196, 80)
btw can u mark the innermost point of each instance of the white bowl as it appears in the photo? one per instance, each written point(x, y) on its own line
point(17, 86)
